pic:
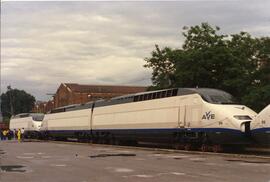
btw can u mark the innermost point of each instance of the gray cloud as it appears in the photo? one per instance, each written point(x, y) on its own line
point(46, 43)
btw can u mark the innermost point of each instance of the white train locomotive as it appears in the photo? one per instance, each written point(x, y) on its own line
point(29, 122)
point(183, 117)
point(260, 127)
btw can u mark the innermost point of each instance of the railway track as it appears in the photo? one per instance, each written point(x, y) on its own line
point(260, 153)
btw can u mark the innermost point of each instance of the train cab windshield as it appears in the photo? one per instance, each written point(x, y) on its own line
point(216, 96)
point(37, 117)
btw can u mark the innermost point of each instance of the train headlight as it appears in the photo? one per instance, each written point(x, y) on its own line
point(242, 117)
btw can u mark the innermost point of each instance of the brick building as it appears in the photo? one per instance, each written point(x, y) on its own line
point(3, 126)
point(73, 93)
point(43, 107)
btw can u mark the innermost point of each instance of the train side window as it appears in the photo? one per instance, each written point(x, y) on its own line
point(145, 97)
point(136, 98)
point(169, 93)
point(163, 94)
point(174, 93)
point(154, 95)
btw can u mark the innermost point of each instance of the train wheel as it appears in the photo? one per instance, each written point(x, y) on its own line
point(176, 146)
point(95, 140)
point(204, 148)
point(188, 147)
point(112, 140)
point(103, 141)
point(133, 143)
point(117, 142)
point(217, 148)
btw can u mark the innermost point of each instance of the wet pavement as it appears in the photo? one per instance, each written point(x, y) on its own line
point(68, 162)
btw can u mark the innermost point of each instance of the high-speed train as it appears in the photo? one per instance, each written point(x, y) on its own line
point(29, 122)
point(260, 127)
point(183, 117)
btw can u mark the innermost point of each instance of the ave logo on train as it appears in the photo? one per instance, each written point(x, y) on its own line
point(208, 115)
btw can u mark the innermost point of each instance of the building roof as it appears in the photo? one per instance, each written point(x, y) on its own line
point(80, 88)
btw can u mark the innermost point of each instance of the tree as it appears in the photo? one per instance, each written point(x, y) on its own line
point(162, 63)
point(238, 64)
point(259, 91)
point(16, 101)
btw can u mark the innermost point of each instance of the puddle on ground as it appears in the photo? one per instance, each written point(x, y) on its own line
point(59, 165)
point(197, 161)
point(112, 155)
point(13, 168)
point(245, 161)
point(163, 155)
point(177, 158)
point(161, 152)
point(120, 170)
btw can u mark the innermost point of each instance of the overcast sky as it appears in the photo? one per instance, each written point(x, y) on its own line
point(44, 44)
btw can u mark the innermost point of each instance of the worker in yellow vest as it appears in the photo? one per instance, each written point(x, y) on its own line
point(5, 132)
point(19, 135)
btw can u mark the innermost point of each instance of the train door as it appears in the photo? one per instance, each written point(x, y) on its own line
point(193, 113)
point(44, 127)
point(182, 112)
point(28, 126)
point(91, 119)
point(193, 116)
point(182, 116)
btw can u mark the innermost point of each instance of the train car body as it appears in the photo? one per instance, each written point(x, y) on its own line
point(29, 122)
point(177, 116)
point(183, 118)
point(260, 127)
point(72, 124)
point(73, 121)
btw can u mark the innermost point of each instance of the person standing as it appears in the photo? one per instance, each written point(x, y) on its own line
point(9, 134)
point(22, 134)
point(14, 134)
point(4, 134)
point(1, 134)
point(19, 135)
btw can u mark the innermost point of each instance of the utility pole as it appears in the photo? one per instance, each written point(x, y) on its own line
point(1, 116)
point(10, 100)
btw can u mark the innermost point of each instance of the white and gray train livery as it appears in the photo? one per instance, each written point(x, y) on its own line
point(185, 117)
point(29, 122)
point(260, 127)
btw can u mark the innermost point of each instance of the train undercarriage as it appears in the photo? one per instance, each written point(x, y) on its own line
point(184, 139)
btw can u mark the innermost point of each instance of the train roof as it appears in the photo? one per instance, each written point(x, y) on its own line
point(215, 96)
point(208, 94)
point(169, 92)
point(64, 108)
point(35, 116)
point(21, 115)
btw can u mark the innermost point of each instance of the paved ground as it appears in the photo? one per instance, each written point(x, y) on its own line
point(57, 162)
